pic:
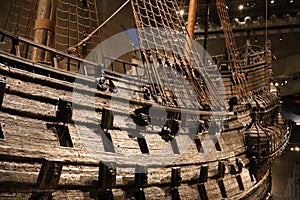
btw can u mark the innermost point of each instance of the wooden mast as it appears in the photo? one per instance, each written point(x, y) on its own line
point(192, 18)
point(44, 29)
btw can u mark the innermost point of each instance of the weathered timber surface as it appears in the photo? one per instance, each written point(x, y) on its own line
point(30, 104)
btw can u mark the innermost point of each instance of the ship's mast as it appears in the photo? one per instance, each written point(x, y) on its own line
point(44, 29)
point(192, 18)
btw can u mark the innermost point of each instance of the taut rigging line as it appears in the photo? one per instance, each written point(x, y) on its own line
point(73, 48)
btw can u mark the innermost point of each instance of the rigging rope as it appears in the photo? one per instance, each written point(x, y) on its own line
point(74, 20)
point(239, 80)
point(20, 21)
point(74, 48)
point(165, 42)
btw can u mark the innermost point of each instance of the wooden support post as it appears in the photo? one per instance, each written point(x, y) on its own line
point(222, 188)
point(143, 145)
point(41, 196)
point(233, 171)
point(49, 175)
point(203, 173)
point(202, 179)
point(175, 194)
point(175, 147)
point(108, 142)
point(16, 47)
point(55, 62)
point(199, 145)
point(124, 68)
point(44, 29)
point(238, 177)
point(139, 195)
point(106, 180)
point(176, 177)
point(107, 176)
point(2, 90)
point(107, 195)
point(239, 164)
point(202, 192)
point(47, 180)
point(216, 142)
point(140, 181)
point(240, 182)
point(64, 111)
point(1, 133)
point(175, 183)
point(107, 119)
point(140, 177)
point(221, 169)
point(192, 18)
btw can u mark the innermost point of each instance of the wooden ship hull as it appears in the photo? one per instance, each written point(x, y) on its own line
point(50, 149)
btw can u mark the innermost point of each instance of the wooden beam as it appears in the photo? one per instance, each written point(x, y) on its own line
point(46, 48)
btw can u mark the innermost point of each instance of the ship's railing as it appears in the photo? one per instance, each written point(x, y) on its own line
point(268, 144)
point(124, 67)
point(15, 49)
point(257, 58)
point(84, 66)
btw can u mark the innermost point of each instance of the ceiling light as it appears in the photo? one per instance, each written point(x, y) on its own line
point(292, 149)
point(297, 149)
point(248, 21)
point(236, 22)
point(272, 1)
point(291, 1)
point(250, 4)
point(181, 12)
point(255, 37)
point(280, 35)
point(241, 7)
